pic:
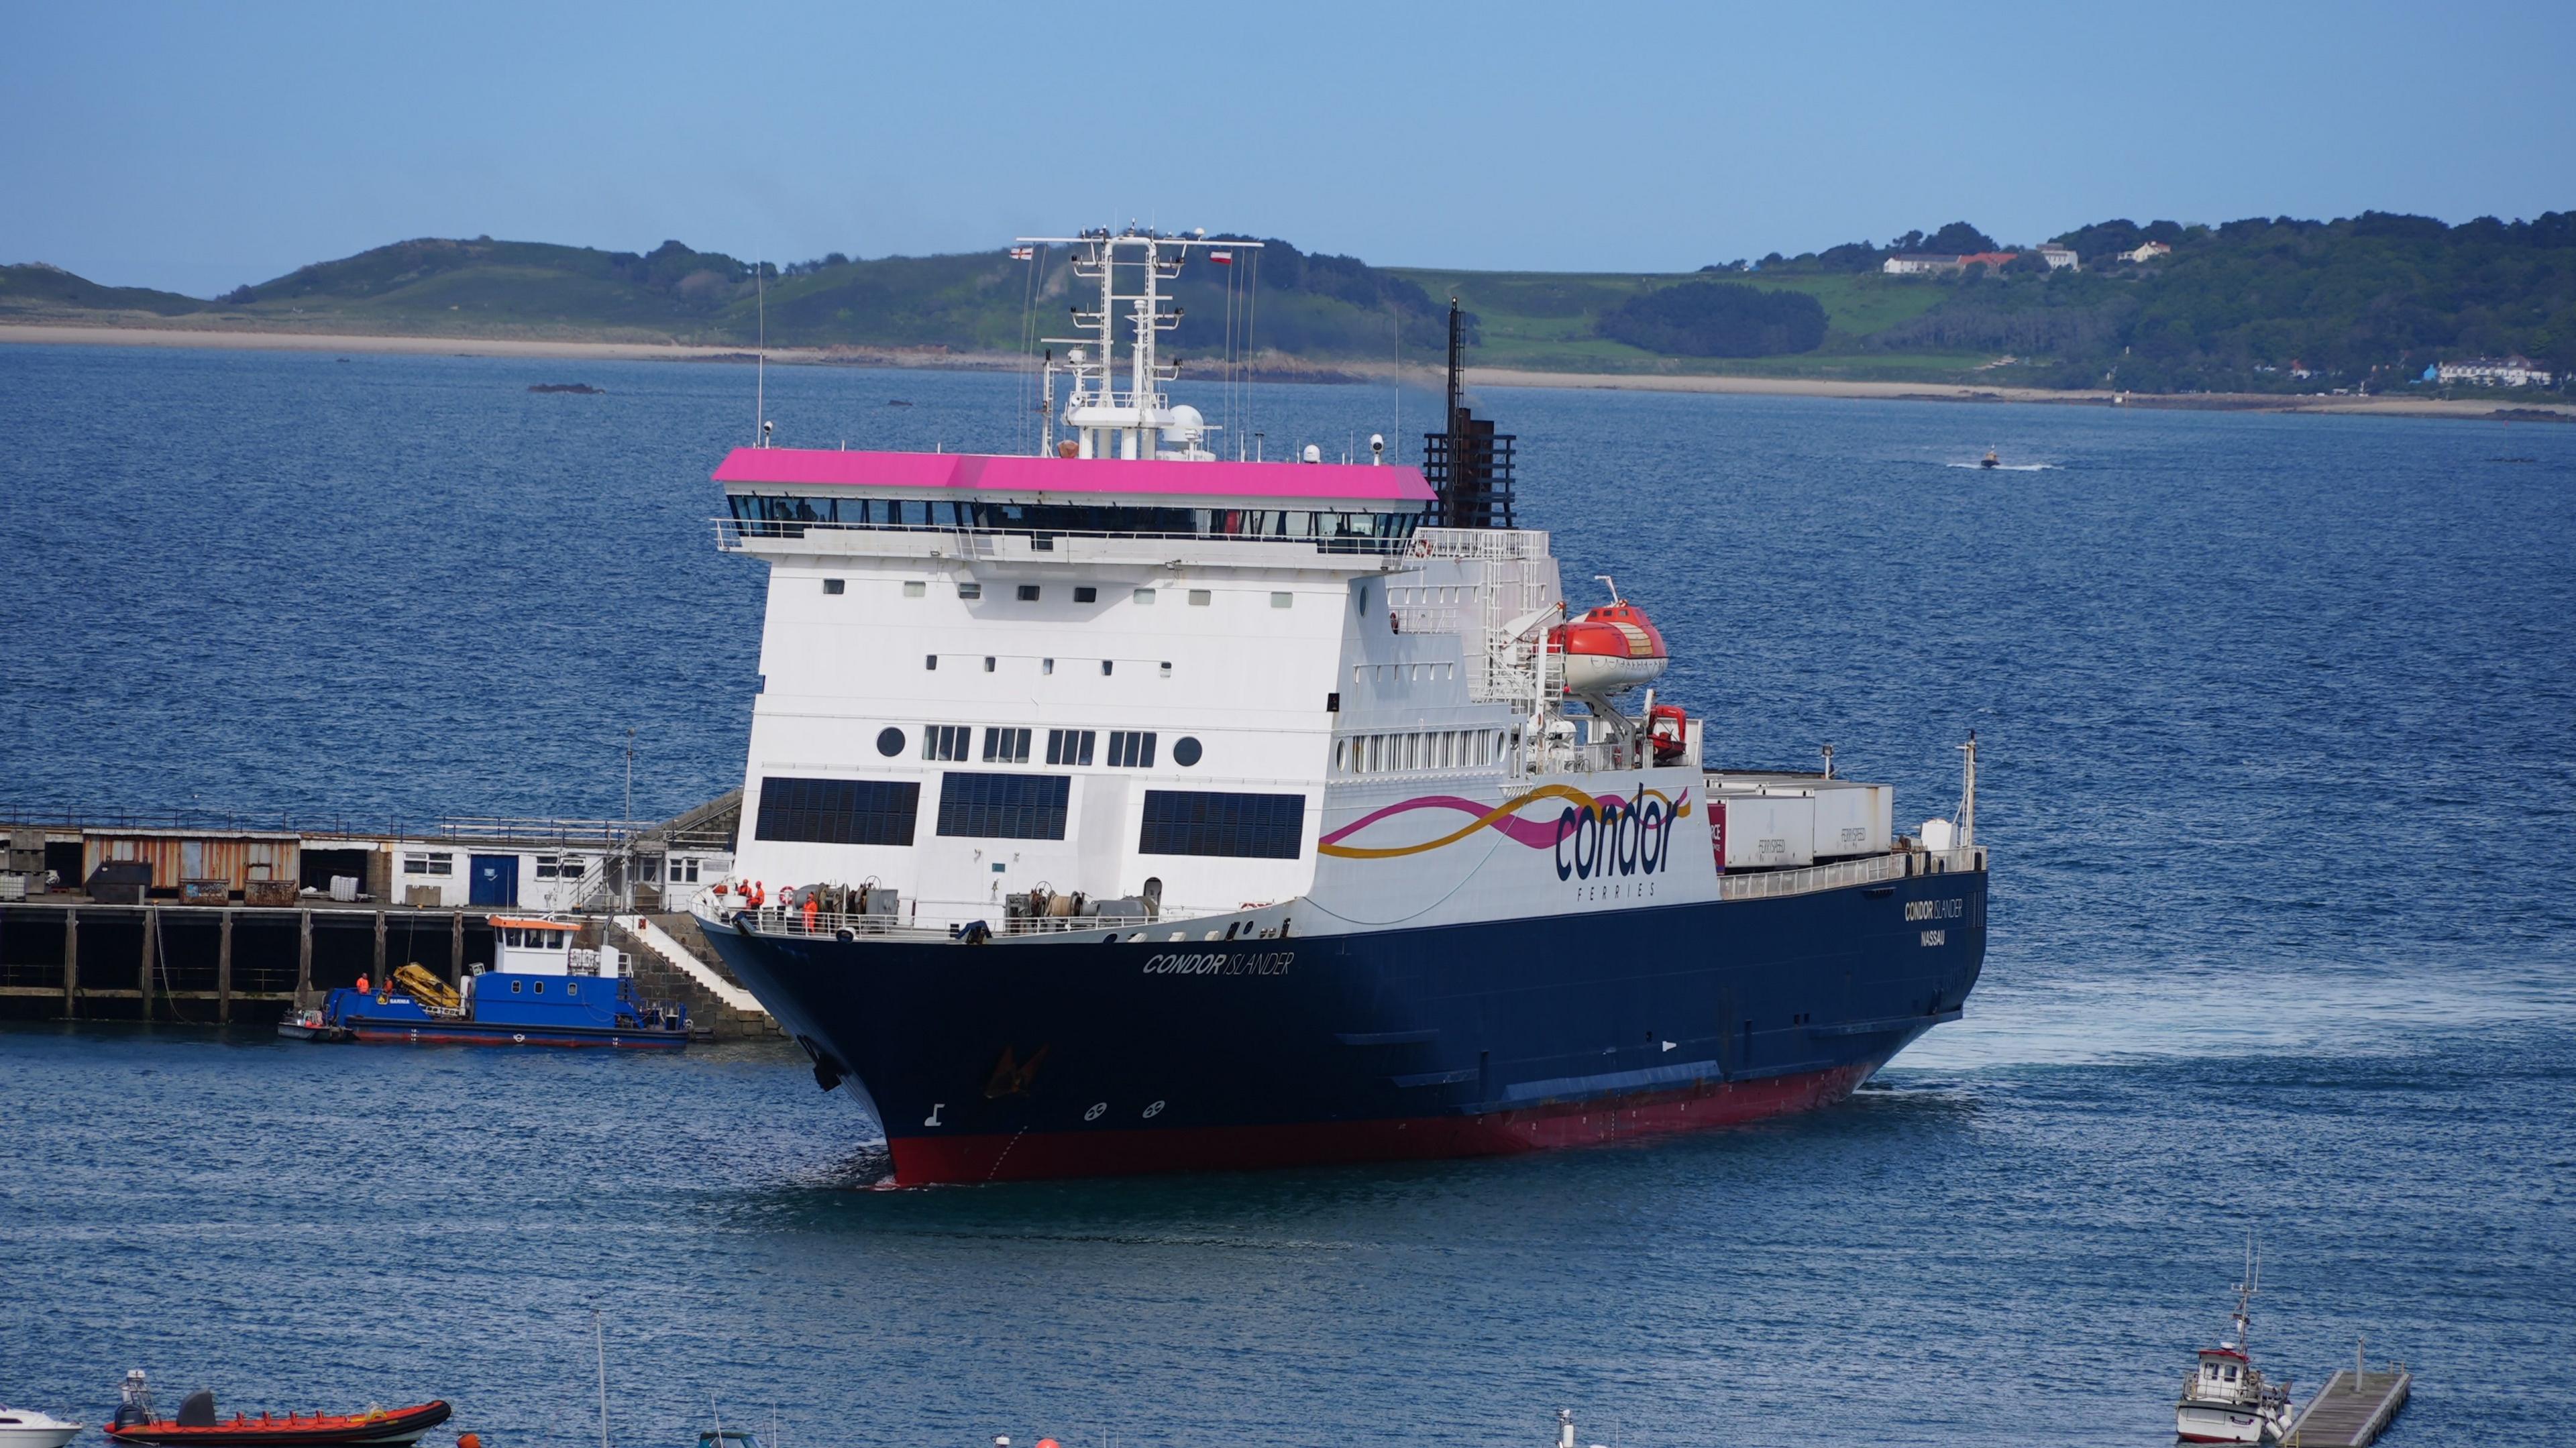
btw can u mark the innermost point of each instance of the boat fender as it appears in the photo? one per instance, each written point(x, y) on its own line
point(846, 933)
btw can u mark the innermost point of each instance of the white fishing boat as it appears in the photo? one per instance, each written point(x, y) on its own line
point(24, 1428)
point(2227, 1399)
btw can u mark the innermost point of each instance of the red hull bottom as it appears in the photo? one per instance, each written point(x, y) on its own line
point(925, 1160)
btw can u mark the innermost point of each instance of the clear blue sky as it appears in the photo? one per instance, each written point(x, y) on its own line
point(196, 147)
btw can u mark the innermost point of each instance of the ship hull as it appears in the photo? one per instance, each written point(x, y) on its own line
point(1077, 1055)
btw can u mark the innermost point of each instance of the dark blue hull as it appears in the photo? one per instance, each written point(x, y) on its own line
point(1067, 1056)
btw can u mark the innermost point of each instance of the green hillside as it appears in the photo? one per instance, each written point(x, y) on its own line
point(2366, 302)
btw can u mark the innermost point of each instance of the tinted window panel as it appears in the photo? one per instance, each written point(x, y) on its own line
point(1003, 806)
point(1244, 826)
point(838, 811)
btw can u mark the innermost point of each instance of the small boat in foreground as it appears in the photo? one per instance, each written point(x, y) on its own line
point(2228, 1400)
point(542, 990)
point(22, 1428)
point(136, 1423)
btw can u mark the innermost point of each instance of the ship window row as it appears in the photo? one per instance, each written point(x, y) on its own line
point(1422, 749)
point(1009, 744)
point(1216, 823)
point(1402, 673)
point(778, 516)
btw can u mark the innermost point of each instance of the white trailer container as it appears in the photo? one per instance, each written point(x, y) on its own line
point(1851, 818)
point(1756, 831)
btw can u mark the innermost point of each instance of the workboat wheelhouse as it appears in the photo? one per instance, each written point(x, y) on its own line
point(1126, 807)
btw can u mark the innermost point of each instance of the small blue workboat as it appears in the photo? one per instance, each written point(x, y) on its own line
point(540, 991)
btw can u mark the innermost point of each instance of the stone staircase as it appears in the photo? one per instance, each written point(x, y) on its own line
point(657, 978)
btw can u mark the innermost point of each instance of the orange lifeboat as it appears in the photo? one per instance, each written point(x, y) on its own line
point(1609, 649)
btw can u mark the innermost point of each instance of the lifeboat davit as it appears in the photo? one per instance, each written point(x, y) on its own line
point(1609, 649)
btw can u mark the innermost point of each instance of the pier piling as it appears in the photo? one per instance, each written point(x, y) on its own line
point(71, 965)
point(224, 969)
point(303, 959)
point(143, 964)
point(379, 976)
point(456, 949)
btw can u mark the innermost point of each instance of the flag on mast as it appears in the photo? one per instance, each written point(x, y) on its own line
point(1023, 253)
point(1222, 258)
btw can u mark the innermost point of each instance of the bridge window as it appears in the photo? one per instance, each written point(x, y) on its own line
point(945, 741)
point(1006, 746)
point(1004, 806)
point(1236, 826)
point(838, 811)
point(1131, 749)
point(1086, 594)
point(1069, 746)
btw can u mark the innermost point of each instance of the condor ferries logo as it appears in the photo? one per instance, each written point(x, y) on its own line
point(1611, 836)
point(1615, 846)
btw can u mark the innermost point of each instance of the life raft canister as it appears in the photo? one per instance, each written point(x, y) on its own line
point(1609, 650)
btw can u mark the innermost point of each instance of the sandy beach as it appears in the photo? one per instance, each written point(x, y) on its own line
point(59, 334)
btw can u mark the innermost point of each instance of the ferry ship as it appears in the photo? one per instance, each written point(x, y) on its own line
point(1128, 807)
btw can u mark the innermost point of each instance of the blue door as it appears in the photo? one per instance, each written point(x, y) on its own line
point(495, 880)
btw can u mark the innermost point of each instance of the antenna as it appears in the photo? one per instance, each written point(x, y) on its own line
point(760, 356)
point(1968, 816)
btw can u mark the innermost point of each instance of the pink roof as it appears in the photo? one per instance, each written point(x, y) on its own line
point(914, 474)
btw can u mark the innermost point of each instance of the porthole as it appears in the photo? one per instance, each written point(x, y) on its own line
point(514, 987)
point(1185, 751)
point(889, 741)
point(541, 987)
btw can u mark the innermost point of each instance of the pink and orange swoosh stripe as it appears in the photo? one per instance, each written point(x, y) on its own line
point(1504, 817)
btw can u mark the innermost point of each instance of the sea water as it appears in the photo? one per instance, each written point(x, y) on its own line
point(2277, 720)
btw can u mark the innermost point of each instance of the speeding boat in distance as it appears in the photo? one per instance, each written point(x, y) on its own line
point(23, 1428)
point(1990, 460)
point(137, 1423)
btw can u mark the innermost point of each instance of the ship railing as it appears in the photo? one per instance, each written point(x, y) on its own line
point(1478, 543)
point(840, 925)
point(734, 535)
point(1843, 874)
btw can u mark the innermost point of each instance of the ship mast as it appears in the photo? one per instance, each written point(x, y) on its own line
point(1138, 421)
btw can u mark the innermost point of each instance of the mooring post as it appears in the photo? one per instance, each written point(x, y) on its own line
point(224, 969)
point(71, 965)
point(143, 966)
point(303, 958)
point(380, 950)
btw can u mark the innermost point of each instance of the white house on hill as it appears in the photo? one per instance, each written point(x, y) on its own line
point(2516, 371)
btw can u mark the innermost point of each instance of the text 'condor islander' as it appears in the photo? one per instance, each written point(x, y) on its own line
point(1128, 808)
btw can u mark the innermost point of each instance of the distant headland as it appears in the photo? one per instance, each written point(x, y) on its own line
point(2375, 309)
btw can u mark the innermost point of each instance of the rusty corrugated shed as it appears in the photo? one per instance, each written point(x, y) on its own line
point(181, 855)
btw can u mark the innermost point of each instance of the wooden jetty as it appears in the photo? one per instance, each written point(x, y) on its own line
point(2354, 1408)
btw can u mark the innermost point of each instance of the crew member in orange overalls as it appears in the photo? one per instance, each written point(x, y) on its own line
point(813, 907)
point(362, 985)
point(759, 895)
